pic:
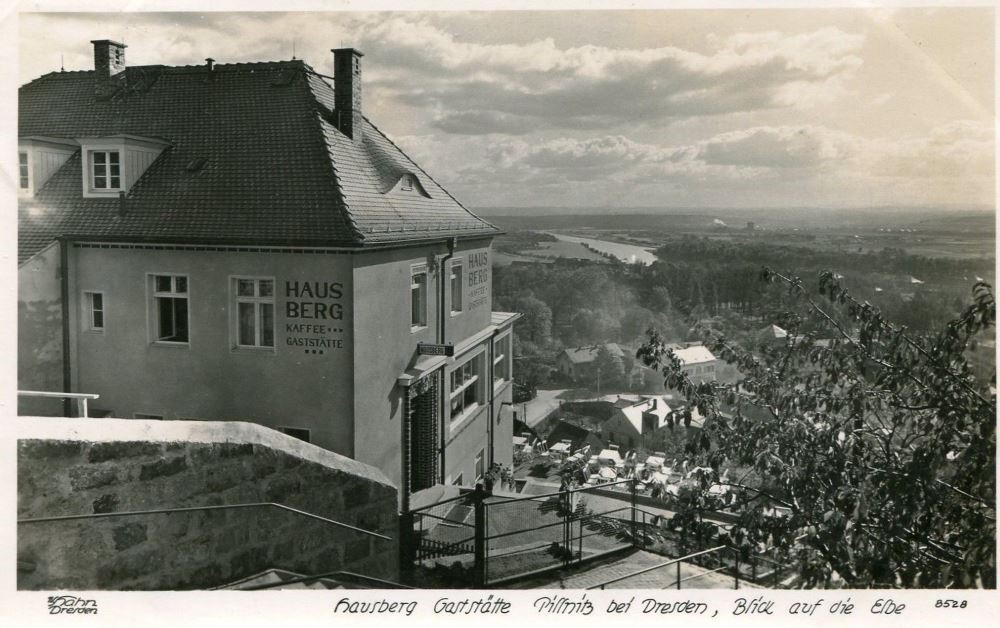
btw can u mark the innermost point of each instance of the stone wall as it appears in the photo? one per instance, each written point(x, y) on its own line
point(76, 466)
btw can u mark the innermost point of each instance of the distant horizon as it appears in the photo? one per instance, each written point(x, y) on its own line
point(652, 209)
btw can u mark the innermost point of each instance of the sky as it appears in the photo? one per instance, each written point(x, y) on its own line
point(741, 108)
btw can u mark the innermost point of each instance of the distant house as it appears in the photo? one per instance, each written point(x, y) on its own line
point(574, 363)
point(578, 436)
point(772, 335)
point(698, 363)
point(647, 423)
point(629, 424)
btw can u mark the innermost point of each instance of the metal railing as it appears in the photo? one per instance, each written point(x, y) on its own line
point(676, 561)
point(80, 398)
point(161, 511)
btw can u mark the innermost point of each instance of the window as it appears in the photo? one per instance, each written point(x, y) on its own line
point(418, 297)
point(254, 312)
point(501, 360)
point(459, 481)
point(480, 468)
point(106, 170)
point(170, 306)
point(456, 286)
point(466, 391)
point(406, 183)
point(296, 432)
point(94, 302)
point(22, 166)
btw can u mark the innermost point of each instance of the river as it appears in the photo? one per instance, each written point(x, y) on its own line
point(625, 252)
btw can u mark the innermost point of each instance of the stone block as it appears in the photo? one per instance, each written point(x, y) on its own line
point(280, 489)
point(164, 467)
point(233, 450)
point(217, 480)
point(283, 551)
point(356, 492)
point(234, 538)
point(106, 503)
point(262, 469)
point(91, 476)
point(204, 577)
point(177, 524)
point(128, 535)
point(142, 566)
point(101, 452)
point(327, 560)
point(357, 550)
point(30, 449)
point(248, 562)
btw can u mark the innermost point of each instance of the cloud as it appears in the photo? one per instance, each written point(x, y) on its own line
point(952, 163)
point(519, 88)
point(778, 147)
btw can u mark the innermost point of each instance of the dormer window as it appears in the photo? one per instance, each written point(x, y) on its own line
point(22, 165)
point(106, 170)
point(406, 183)
point(38, 158)
point(114, 163)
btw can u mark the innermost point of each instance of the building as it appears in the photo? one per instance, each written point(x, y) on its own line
point(630, 425)
point(772, 335)
point(698, 363)
point(239, 242)
point(578, 437)
point(579, 361)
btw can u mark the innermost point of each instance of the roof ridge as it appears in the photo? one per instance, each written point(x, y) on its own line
point(348, 212)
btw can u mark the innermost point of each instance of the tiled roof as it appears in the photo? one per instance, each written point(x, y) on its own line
point(634, 412)
point(276, 170)
point(698, 354)
point(586, 355)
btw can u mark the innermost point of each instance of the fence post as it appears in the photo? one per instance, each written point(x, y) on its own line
point(407, 547)
point(678, 575)
point(479, 565)
point(753, 569)
point(635, 537)
point(737, 586)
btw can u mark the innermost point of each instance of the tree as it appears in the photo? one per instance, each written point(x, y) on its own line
point(607, 370)
point(536, 324)
point(881, 444)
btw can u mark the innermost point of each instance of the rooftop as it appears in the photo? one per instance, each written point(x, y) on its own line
point(584, 355)
point(698, 354)
point(273, 167)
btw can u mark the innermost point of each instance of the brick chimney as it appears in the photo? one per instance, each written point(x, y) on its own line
point(347, 91)
point(109, 62)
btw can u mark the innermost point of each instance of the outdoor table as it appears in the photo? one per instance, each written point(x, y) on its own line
point(611, 455)
point(654, 462)
point(559, 448)
point(608, 473)
point(520, 440)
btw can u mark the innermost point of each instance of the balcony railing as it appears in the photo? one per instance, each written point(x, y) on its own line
point(80, 398)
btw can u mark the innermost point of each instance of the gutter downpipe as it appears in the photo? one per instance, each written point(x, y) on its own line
point(441, 334)
point(64, 298)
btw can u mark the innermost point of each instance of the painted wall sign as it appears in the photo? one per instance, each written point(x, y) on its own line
point(479, 279)
point(313, 311)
